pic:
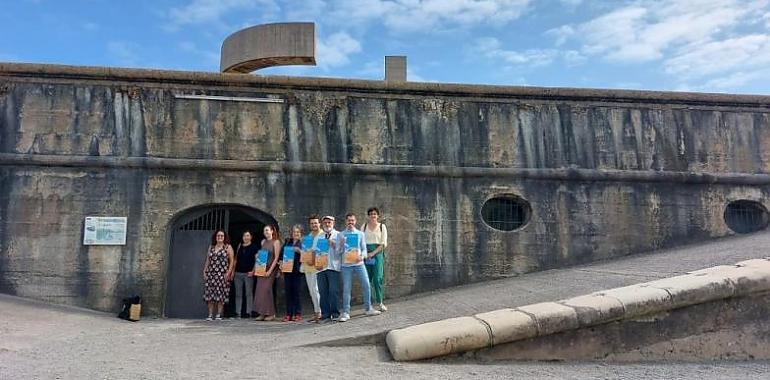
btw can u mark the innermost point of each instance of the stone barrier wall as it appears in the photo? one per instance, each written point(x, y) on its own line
point(604, 173)
point(502, 326)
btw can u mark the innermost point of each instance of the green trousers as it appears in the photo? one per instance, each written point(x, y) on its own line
point(376, 273)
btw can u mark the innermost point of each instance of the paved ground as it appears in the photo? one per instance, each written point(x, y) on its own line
point(49, 342)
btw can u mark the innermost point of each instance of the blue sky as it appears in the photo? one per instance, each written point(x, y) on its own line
point(679, 45)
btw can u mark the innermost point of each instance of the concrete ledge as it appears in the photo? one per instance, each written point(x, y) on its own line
point(112, 74)
point(438, 338)
point(625, 303)
point(693, 289)
point(593, 175)
point(746, 280)
point(508, 325)
point(595, 308)
point(551, 317)
point(640, 299)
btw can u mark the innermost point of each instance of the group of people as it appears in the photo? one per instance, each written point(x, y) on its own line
point(324, 256)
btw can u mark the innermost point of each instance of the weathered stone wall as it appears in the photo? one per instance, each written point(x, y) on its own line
point(607, 173)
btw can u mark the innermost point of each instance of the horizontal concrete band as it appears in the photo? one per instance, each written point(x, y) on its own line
point(42, 71)
point(18, 159)
point(508, 325)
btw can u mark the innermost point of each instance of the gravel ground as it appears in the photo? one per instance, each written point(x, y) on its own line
point(43, 341)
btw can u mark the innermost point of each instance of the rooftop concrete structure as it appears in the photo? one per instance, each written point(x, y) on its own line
point(260, 46)
point(395, 68)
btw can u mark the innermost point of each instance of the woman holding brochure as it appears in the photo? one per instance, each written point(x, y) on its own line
point(265, 271)
point(292, 277)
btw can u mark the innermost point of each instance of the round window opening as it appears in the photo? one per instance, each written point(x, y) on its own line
point(506, 213)
point(745, 216)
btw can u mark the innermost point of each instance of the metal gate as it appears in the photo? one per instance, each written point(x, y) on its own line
point(190, 239)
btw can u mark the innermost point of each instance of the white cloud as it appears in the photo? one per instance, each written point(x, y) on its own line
point(212, 11)
point(561, 34)
point(428, 15)
point(335, 50)
point(736, 80)
point(698, 60)
point(491, 48)
point(700, 44)
point(646, 29)
point(573, 58)
point(766, 17)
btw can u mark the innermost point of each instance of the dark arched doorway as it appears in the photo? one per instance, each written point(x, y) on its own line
point(190, 237)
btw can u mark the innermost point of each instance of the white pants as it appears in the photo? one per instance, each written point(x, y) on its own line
point(312, 288)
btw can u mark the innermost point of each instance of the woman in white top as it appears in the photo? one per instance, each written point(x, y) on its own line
point(376, 240)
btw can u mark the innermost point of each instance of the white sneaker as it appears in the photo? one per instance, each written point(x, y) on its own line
point(382, 307)
point(344, 317)
point(209, 318)
point(372, 312)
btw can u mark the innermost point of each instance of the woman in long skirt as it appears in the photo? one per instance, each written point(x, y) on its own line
point(263, 295)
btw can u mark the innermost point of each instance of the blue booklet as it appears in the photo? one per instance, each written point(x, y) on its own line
point(287, 265)
point(322, 257)
point(307, 249)
point(307, 242)
point(352, 254)
point(260, 267)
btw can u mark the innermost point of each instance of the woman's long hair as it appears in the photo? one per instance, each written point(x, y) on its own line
point(275, 231)
point(214, 238)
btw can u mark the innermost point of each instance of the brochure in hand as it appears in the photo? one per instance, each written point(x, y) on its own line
point(352, 253)
point(287, 265)
point(260, 266)
point(307, 250)
point(322, 256)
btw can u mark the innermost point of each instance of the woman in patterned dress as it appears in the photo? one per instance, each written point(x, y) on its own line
point(263, 296)
point(217, 273)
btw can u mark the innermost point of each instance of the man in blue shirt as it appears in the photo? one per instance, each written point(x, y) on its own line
point(354, 244)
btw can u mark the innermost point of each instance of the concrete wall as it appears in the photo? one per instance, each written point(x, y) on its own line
point(607, 173)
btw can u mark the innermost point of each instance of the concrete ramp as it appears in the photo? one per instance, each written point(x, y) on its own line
point(714, 313)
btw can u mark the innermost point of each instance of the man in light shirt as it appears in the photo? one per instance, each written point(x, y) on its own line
point(354, 244)
point(328, 276)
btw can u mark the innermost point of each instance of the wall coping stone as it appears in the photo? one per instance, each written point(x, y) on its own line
point(48, 71)
point(629, 302)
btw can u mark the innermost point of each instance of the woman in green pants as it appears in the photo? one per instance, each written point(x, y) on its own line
point(376, 240)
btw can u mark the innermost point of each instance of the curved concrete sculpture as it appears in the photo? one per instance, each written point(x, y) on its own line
point(485, 330)
point(260, 46)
